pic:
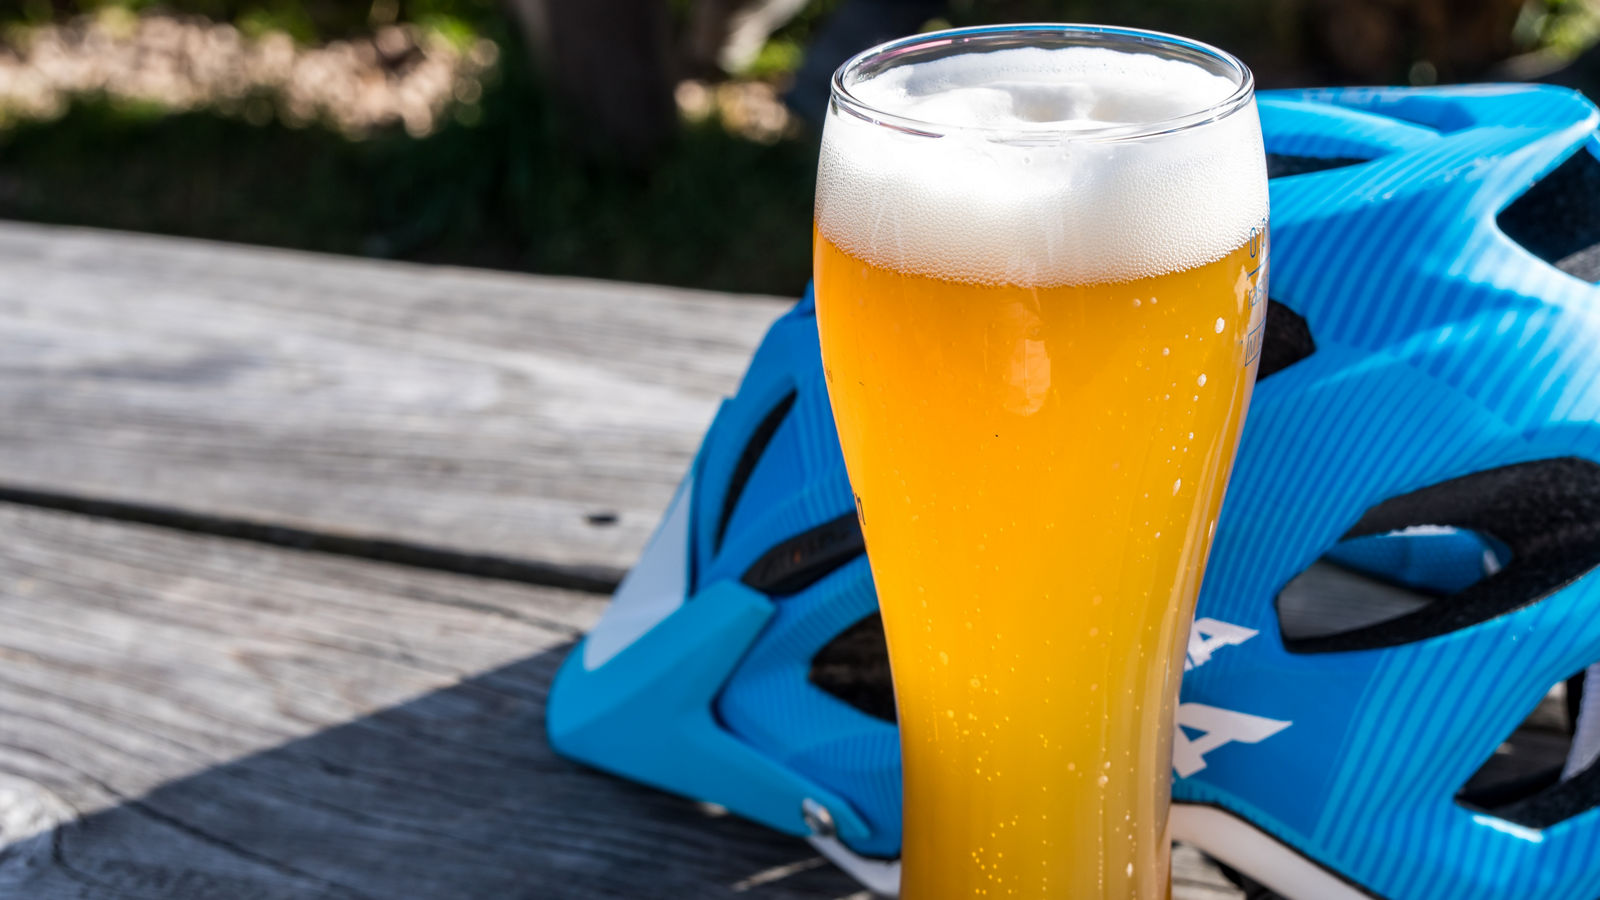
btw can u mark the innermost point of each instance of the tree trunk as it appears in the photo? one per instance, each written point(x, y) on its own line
point(609, 62)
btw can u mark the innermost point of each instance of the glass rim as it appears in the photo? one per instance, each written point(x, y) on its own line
point(844, 76)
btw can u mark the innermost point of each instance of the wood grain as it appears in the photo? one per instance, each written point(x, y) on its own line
point(529, 418)
point(184, 717)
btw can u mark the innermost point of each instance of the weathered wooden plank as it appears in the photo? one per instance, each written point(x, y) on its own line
point(520, 416)
point(186, 716)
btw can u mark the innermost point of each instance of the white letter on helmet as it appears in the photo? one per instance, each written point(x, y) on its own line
point(1216, 636)
point(1219, 726)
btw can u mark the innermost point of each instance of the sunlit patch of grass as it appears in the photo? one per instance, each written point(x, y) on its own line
point(1563, 28)
point(457, 31)
point(779, 57)
point(283, 18)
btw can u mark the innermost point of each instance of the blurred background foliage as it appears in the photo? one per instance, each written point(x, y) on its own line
point(636, 139)
point(307, 21)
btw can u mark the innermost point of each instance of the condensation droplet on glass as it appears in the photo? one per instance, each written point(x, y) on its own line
point(1130, 870)
point(1166, 351)
point(1176, 485)
point(1136, 301)
point(1104, 780)
point(1201, 380)
point(1221, 324)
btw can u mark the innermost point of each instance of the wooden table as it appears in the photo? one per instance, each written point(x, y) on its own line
point(290, 548)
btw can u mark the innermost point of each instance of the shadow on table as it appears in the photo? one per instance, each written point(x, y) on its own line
point(454, 794)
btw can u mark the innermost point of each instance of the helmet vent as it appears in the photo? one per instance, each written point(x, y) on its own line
point(1447, 557)
point(803, 560)
point(1538, 776)
point(854, 667)
point(1283, 165)
point(1287, 340)
point(1330, 599)
point(1558, 219)
point(753, 448)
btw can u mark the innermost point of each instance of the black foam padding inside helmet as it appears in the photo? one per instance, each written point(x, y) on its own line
point(1555, 803)
point(1287, 340)
point(855, 668)
point(1547, 513)
point(803, 560)
point(746, 466)
point(1558, 218)
point(1521, 782)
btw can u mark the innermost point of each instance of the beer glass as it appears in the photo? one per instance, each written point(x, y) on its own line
point(1040, 261)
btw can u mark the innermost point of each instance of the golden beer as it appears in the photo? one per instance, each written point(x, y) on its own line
point(1038, 421)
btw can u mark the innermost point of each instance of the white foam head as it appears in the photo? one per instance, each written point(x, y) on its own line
point(1026, 184)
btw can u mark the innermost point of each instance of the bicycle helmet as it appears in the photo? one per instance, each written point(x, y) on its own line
point(1400, 573)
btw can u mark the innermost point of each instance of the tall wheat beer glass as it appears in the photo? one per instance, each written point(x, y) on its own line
point(1040, 268)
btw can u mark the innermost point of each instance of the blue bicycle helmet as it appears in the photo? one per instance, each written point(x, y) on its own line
point(1400, 574)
